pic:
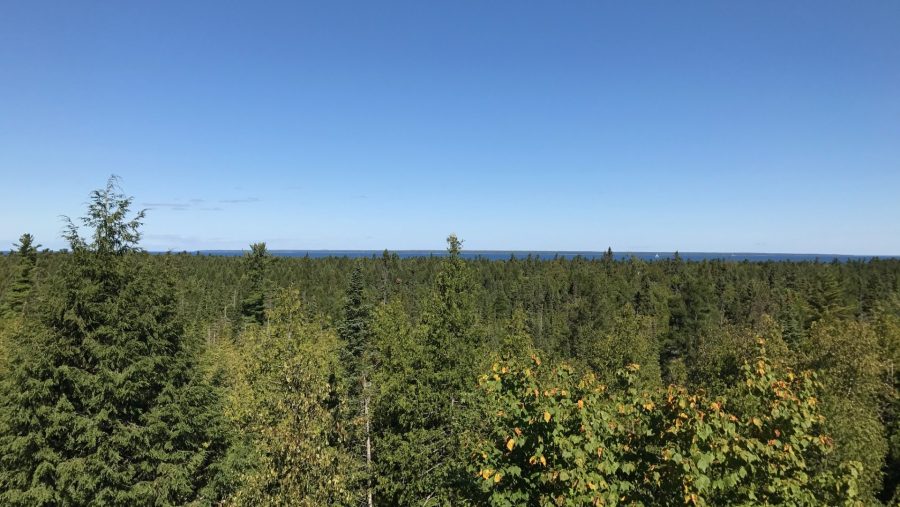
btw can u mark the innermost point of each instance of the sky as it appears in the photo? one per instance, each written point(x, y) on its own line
point(762, 126)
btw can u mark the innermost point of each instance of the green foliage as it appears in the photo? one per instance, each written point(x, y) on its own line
point(14, 304)
point(692, 316)
point(849, 359)
point(253, 304)
point(422, 410)
point(356, 358)
point(285, 400)
point(354, 326)
point(560, 439)
point(886, 323)
point(628, 340)
point(721, 354)
point(103, 403)
point(516, 341)
point(400, 399)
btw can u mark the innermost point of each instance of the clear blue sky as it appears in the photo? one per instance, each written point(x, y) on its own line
point(723, 126)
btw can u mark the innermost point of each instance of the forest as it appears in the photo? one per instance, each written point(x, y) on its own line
point(131, 378)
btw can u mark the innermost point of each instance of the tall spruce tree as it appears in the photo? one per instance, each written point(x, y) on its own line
point(102, 404)
point(354, 325)
point(354, 332)
point(253, 304)
point(17, 295)
point(397, 357)
point(424, 412)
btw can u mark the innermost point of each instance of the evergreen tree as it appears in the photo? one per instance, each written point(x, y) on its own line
point(253, 304)
point(17, 295)
point(103, 405)
point(692, 315)
point(400, 399)
point(419, 453)
point(827, 296)
point(354, 326)
point(354, 331)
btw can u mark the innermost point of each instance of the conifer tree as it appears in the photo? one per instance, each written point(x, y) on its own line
point(103, 404)
point(17, 295)
point(827, 296)
point(354, 326)
point(424, 410)
point(354, 331)
point(449, 320)
point(253, 304)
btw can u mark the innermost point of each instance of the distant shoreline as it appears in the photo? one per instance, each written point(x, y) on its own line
point(548, 255)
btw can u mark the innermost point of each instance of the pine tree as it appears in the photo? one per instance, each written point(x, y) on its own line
point(608, 260)
point(424, 410)
point(400, 448)
point(17, 295)
point(353, 329)
point(253, 304)
point(827, 296)
point(103, 404)
point(449, 320)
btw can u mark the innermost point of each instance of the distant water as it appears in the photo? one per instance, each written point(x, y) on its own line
point(546, 255)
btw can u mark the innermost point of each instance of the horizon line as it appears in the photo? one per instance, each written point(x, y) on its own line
point(526, 251)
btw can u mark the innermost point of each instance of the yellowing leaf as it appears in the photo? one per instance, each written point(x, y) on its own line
point(510, 443)
point(580, 404)
point(497, 478)
point(546, 416)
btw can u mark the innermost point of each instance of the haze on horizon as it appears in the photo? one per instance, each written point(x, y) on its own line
point(646, 126)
